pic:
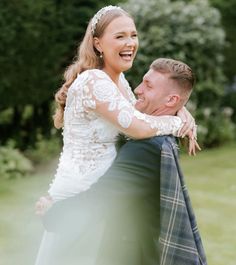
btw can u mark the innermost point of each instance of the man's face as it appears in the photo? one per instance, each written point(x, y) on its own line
point(153, 93)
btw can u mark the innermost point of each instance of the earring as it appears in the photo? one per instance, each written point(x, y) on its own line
point(101, 55)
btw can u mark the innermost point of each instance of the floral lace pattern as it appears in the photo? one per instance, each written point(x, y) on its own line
point(89, 140)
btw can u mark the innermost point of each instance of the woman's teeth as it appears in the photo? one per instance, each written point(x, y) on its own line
point(126, 55)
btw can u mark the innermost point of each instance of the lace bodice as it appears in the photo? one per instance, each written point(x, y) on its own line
point(95, 112)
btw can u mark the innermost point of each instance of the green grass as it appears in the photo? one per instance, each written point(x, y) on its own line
point(210, 177)
point(20, 229)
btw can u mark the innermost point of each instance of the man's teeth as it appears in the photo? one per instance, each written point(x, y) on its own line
point(140, 100)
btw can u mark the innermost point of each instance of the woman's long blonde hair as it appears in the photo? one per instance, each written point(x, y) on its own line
point(87, 58)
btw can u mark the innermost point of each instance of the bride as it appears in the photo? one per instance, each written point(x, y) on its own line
point(95, 104)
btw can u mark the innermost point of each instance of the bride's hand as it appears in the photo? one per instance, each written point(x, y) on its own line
point(193, 145)
point(189, 123)
point(189, 129)
point(42, 205)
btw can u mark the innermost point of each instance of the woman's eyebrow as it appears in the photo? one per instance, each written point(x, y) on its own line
point(124, 32)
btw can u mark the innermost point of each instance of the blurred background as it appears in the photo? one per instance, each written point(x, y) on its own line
point(39, 38)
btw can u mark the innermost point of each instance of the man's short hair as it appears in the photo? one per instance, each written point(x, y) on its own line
point(178, 71)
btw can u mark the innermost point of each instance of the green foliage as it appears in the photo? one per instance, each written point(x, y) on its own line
point(38, 40)
point(230, 100)
point(215, 127)
point(23, 124)
point(44, 150)
point(190, 32)
point(13, 164)
point(228, 12)
point(37, 37)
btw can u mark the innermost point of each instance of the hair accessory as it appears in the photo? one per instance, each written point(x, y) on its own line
point(101, 13)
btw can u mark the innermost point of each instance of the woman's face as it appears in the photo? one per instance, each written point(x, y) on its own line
point(119, 44)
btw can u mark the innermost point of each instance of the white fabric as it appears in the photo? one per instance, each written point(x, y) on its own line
point(96, 110)
point(89, 140)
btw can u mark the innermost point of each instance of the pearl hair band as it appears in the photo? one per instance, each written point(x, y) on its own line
point(101, 13)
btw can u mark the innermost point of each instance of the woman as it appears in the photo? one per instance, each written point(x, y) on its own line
point(94, 105)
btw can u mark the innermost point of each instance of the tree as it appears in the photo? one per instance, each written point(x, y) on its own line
point(189, 31)
point(228, 12)
point(38, 40)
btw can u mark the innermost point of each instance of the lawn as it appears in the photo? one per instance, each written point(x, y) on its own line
point(210, 177)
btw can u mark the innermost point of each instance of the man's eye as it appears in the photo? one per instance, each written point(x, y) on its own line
point(135, 35)
point(119, 37)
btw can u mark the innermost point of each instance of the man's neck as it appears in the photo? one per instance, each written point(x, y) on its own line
point(165, 111)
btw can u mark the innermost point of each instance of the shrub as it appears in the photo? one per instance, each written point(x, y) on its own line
point(215, 126)
point(190, 32)
point(44, 149)
point(230, 100)
point(13, 163)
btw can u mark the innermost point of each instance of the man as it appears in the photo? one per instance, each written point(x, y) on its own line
point(138, 212)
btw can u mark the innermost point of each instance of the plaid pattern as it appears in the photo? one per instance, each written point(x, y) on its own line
point(179, 242)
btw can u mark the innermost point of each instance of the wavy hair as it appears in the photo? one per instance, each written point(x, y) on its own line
point(87, 58)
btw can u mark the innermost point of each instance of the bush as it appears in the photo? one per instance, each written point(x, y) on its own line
point(190, 32)
point(215, 126)
point(229, 100)
point(13, 163)
point(44, 149)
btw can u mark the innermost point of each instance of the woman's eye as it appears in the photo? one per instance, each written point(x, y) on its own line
point(119, 37)
point(134, 35)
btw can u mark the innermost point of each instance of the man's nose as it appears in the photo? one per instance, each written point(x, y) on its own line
point(138, 89)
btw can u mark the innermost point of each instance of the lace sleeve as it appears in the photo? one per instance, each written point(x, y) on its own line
point(132, 98)
point(102, 96)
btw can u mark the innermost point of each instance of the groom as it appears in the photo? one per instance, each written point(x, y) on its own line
point(139, 212)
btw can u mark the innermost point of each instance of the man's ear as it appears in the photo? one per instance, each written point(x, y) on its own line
point(96, 44)
point(173, 100)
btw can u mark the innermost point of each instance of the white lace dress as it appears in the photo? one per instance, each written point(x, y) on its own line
point(96, 111)
point(89, 140)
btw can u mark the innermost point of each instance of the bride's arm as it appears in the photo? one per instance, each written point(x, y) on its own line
point(102, 96)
